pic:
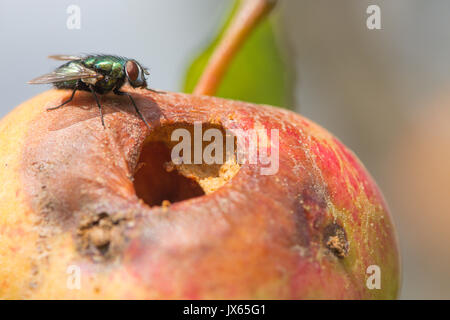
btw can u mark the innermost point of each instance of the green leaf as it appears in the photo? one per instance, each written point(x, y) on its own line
point(259, 72)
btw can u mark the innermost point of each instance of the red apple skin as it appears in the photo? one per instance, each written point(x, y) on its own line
point(257, 237)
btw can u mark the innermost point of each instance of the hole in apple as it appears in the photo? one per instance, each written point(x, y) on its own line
point(160, 180)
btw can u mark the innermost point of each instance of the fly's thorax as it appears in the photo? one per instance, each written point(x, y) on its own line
point(106, 65)
point(110, 69)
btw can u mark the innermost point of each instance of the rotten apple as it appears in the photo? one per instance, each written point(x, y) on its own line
point(93, 212)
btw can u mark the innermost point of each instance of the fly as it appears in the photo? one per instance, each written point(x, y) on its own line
point(98, 74)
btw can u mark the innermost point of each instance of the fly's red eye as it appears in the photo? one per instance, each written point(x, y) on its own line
point(132, 70)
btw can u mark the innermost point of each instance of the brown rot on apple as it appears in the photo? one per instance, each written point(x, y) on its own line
point(88, 212)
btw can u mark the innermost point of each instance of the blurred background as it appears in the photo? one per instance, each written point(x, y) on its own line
point(384, 93)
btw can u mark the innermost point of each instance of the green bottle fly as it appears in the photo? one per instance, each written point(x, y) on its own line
point(98, 74)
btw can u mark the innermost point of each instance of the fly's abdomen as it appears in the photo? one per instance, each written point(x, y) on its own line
point(66, 84)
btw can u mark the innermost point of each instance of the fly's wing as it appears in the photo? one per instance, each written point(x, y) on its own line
point(64, 57)
point(71, 71)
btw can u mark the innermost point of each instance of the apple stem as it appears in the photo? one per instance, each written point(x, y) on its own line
point(249, 14)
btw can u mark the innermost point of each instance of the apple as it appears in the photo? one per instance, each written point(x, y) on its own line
point(100, 213)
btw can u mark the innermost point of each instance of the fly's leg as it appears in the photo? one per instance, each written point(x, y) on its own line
point(98, 104)
point(160, 92)
point(121, 93)
point(66, 102)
